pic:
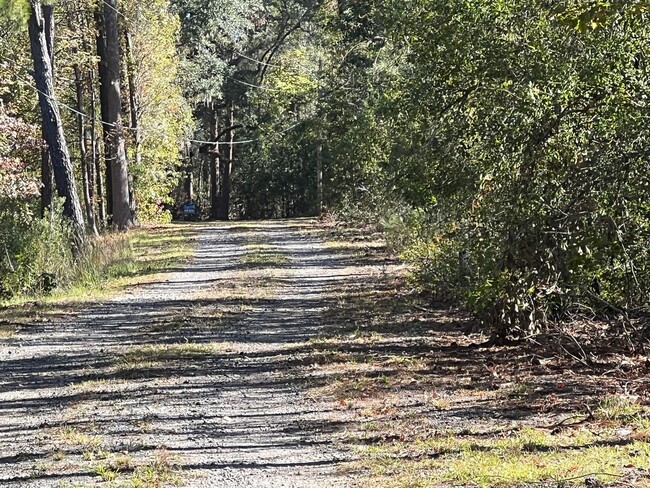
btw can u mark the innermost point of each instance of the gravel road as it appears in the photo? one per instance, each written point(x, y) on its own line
point(196, 379)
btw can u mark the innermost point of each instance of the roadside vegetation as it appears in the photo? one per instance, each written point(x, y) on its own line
point(499, 148)
point(111, 263)
point(426, 400)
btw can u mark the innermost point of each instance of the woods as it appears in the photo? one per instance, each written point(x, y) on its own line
point(502, 147)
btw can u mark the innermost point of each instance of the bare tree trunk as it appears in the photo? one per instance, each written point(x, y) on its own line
point(83, 153)
point(47, 176)
point(319, 149)
point(214, 166)
point(96, 159)
point(319, 179)
point(223, 212)
point(112, 115)
point(90, 169)
point(104, 79)
point(134, 111)
point(52, 123)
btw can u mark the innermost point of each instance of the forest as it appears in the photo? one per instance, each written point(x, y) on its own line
point(501, 145)
point(325, 242)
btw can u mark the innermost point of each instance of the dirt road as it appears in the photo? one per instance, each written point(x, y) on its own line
point(195, 380)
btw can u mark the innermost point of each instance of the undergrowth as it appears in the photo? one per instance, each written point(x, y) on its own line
point(107, 263)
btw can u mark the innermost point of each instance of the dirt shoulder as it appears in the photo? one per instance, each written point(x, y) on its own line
point(428, 403)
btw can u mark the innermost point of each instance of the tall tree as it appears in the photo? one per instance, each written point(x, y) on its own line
point(46, 163)
point(39, 19)
point(114, 137)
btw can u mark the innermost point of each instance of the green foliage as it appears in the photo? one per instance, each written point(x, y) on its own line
point(164, 113)
point(36, 254)
point(14, 10)
point(592, 15)
point(517, 141)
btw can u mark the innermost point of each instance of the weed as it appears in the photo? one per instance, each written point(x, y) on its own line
point(73, 438)
point(147, 357)
point(163, 469)
point(106, 473)
point(618, 407)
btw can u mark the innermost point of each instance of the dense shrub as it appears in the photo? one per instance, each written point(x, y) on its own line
point(518, 145)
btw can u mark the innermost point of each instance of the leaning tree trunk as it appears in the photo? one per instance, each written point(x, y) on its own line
point(46, 163)
point(113, 128)
point(52, 123)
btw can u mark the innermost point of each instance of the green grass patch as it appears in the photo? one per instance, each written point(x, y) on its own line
point(158, 355)
point(528, 456)
point(163, 470)
point(111, 262)
point(70, 438)
point(263, 255)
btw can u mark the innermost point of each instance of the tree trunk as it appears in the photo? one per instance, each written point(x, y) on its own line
point(319, 179)
point(99, 177)
point(214, 166)
point(223, 212)
point(83, 153)
point(46, 164)
point(46, 179)
point(112, 115)
point(134, 111)
point(52, 123)
point(319, 148)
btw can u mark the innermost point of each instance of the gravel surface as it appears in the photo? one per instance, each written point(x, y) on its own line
point(200, 372)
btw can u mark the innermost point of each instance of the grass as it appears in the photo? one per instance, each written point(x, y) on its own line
point(121, 470)
point(529, 456)
point(145, 357)
point(7, 331)
point(113, 262)
point(164, 469)
point(619, 408)
point(116, 469)
point(70, 438)
point(428, 406)
point(263, 255)
point(131, 259)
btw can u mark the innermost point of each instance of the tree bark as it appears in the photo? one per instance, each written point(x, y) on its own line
point(225, 167)
point(46, 164)
point(319, 179)
point(214, 166)
point(99, 177)
point(103, 103)
point(113, 128)
point(223, 212)
point(83, 153)
point(319, 149)
point(52, 123)
point(134, 111)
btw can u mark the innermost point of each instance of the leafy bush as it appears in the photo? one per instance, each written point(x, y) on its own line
point(36, 252)
point(520, 147)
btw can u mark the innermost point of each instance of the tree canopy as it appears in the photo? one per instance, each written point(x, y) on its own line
point(503, 145)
